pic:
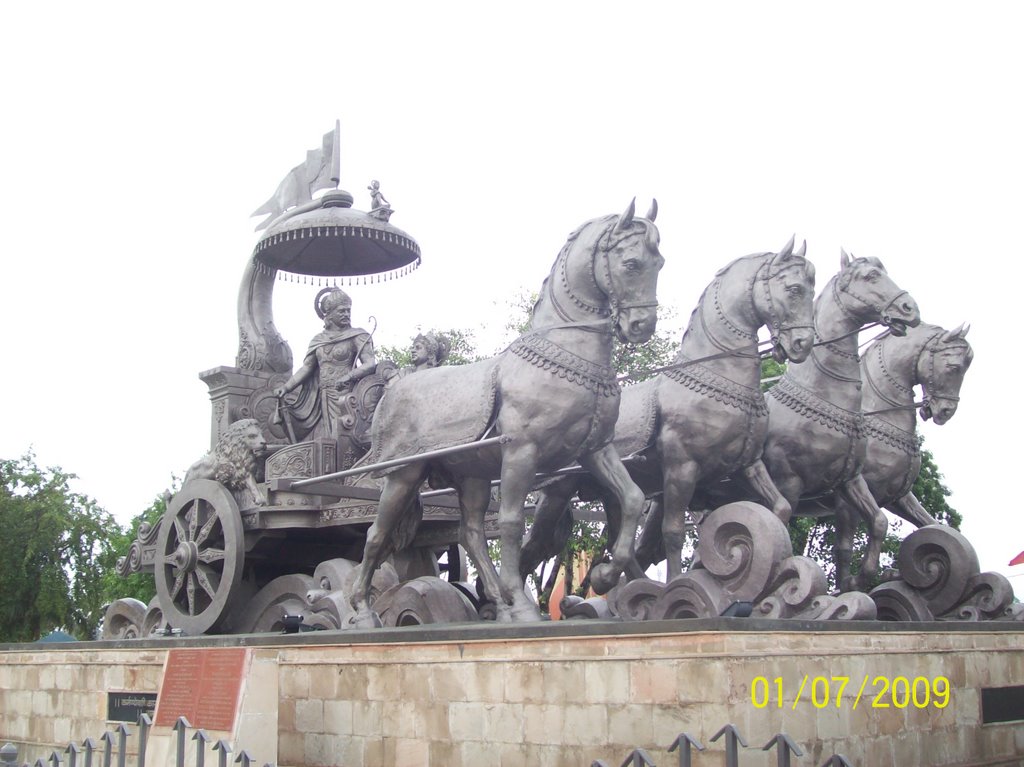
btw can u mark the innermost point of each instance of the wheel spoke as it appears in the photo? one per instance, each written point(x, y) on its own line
point(193, 519)
point(190, 588)
point(209, 580)
point(203, 534)
point(179, 528)
point(179, 580)
point(210, 556)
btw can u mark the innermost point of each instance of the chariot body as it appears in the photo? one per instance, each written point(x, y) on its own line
point(274, 518)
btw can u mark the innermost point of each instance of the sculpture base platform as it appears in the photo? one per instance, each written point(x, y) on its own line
point(564, 693)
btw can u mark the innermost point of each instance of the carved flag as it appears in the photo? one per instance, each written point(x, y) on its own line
point(319, 171)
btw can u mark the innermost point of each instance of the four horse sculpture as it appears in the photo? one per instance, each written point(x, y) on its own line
point(935, 359)
point(552, 393)
point(704, 417)
point(816, 441)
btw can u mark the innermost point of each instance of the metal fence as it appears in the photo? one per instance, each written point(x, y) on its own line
point(685, 743)
point(113, 744)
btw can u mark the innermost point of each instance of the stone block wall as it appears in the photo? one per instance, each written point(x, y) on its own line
point(569, 701)
point(556, 695)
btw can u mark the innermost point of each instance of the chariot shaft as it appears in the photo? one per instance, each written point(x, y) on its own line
point(298, 484)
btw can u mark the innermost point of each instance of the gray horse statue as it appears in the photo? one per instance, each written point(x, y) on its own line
point(552, 395)
point(816, 440)
point(933, 358)
point(704, 417)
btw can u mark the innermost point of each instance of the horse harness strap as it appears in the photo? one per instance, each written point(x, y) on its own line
point(813, 407)
point(703, 380)
point(547, 355)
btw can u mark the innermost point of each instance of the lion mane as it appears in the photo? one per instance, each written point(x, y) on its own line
point(232, 462)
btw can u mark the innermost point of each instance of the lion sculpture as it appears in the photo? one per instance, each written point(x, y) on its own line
point(232, 462)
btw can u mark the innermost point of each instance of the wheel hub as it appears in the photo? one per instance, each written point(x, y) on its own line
point(186, 556)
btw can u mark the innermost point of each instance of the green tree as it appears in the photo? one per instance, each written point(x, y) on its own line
point(59, 548)
point(141, 586)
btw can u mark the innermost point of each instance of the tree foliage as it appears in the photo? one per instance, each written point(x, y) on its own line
point(60, 545)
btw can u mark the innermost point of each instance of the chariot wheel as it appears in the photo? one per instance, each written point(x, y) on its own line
point(199, 554)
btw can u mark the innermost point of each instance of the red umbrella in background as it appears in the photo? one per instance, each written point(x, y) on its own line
point(1018, 560)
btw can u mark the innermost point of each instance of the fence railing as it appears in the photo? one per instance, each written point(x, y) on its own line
point(684, 743)
point(114, 744)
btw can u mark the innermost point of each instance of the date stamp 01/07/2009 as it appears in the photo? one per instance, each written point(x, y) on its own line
point(829, 692)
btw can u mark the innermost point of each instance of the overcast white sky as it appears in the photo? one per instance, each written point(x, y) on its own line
point(137, 139)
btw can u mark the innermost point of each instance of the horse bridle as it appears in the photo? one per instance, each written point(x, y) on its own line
point(882, 311)
point(776, 328)
point(932, 348)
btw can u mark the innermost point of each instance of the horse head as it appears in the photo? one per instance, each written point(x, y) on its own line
point(784, 302)
point(625, 267)
point(941, 369)
point(865, 291)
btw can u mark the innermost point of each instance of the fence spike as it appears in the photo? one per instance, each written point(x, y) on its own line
point(179, 727)
point(89, 745)
point(54, 759)
point(837, 760)
point(639, 758)
point(108, 745)
point(201, 739)
point(244, 758)
point(224, 748)
point(145, 723)
point(732, 738)
point(72, 752)
point(785, 746)
point(122, 744)
point(683, 742)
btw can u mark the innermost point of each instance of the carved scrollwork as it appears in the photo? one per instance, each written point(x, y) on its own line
point(937, 561)
point(898, 601)
point(799, 582)
point(124, 619)
point(634, 600)
point(743, 544)
point(424, 600)
point(694, 594)
point(986, 598)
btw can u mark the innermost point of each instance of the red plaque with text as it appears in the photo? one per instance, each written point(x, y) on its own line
point(203, 686)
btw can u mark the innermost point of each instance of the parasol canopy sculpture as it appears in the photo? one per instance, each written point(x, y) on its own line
point(324, 241)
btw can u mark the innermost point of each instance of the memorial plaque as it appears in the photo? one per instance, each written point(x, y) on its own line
point(128, 706)
point(203, 686)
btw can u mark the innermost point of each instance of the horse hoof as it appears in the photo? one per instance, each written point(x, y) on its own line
point(603, 578)
point(504, 613)
point(364, 619)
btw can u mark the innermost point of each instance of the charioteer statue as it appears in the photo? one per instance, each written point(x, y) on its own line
point(338, 357)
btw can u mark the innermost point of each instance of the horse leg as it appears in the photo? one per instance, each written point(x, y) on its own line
point(757, 475)
point(518, 473)
point(680, 481)
point(474, 497)
point(549, 532)
point(396, 498)
point(846, 529)
point(650, 549)
point(911, 509)
point(856, 492)
point(607, 468)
